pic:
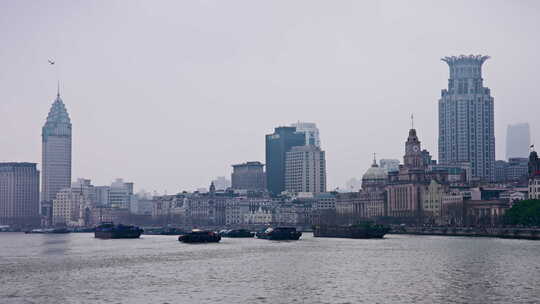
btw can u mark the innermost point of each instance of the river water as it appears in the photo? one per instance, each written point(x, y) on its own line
point(76, 268)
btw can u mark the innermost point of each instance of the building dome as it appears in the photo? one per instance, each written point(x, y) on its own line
point(374, 173)
point(375, 177)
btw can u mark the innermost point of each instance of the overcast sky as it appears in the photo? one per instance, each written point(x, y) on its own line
point(169, 94)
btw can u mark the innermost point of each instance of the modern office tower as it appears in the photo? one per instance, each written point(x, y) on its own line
point(277, 145)
point(305, 170)
point(120, 194)
point(248, 176)
point(311, 132)
point(390, 165)
point(518, 140)
point(466, 118)
point(19, 194)
point(56, 151)
point(102, 195)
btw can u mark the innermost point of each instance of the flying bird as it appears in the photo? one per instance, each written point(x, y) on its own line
point(50, 61)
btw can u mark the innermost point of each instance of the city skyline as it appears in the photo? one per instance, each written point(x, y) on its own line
point(148, 154)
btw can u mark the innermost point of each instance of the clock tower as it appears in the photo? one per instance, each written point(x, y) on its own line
point(413, 152)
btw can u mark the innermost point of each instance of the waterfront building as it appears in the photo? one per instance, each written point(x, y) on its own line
point(120, 194)
point(324, 201)
point(518, 140)
point(89, 191)
point(260, 216)
point(248, 176)
point(372, 196)
point(389, 165)
point(534, 176)
point(277, 145)
point(432, 201)
point(517, 168)
point(311, 132)
point(19, 194)
point(512, 171)
point(71, 208)
point(457, 173)
point(56, 151)
point(452, 208)
point(466, 118)
point(485, 212)
point(404, 187)
point(305, 170)
point(407, 186)
point(102, 195)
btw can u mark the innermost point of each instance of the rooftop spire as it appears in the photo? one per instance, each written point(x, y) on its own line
point(58, 89)
point(412, 121)
point(374, 160)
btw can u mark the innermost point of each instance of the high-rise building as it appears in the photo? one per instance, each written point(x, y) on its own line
point(311, 132)
point(56, 151)
point(518, 140)
point(466, 118)
point(277, 145)
point(248, 176)
point(305, 170)
point(19, 194)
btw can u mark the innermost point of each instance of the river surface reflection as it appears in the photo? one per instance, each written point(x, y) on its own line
point(76, 268)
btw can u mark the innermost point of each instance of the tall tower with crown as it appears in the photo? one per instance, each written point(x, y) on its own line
point(56, 151)
point(466, 118)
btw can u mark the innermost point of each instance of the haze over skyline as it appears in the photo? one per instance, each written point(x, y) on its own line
point(171, 94)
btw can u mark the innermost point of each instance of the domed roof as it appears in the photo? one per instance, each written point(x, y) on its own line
point(375, 172)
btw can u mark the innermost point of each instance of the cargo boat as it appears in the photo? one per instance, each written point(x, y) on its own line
point(361, 231)
point(200, 236)
point(237, 233)
point(280, 234)
point(109, 230)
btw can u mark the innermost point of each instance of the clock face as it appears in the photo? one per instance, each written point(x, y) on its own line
point(416, 148)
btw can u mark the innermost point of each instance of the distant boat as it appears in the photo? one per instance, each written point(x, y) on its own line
point(359, 231)
point(109, 230)
point(280, 233)
point(49, 231)
point(200, 236)
point(237, 233)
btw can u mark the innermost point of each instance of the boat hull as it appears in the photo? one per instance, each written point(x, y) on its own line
point(351, 232)
point(280, 234)
point(200, 237)
point(117, 235)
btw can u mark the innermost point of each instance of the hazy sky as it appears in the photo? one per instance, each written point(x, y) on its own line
point(169, 94)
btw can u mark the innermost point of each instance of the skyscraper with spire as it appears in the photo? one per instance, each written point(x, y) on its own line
point(56, 151)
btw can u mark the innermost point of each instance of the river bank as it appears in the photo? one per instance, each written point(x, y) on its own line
point(504, 232)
